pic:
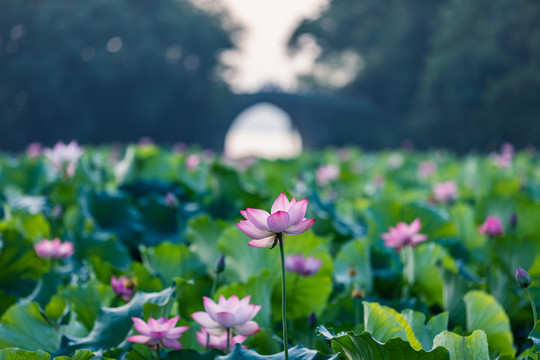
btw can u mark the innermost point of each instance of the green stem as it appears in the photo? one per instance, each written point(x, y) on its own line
point(283, 298)
point(228, 340)
point(533, 305)
point(356, 313)
point(212, 293)
point(214, 286)
point(158, 351)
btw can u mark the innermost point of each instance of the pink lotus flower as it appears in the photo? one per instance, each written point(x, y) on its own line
point(492, 226)
point(158, 332)
point(326, 173)
point(218, 342)
point(34, 149)
point(287, 218)
point(427, 168)
point(445, 191)
point(122, 287)
point(403, 235)
point(232, 314)
point(301, 265)
point(193, 161)
point(64, 157)
point(54, 249)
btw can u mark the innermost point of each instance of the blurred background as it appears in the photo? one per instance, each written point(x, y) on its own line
point(271, 77)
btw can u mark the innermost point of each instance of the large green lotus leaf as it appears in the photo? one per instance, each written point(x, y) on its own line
point(189, 295)
point(244, 261)
point(260, 288)
point(354, 255)
point(6, 301)
point(535, 337)
point(472, 347)
point(168, 261)
point(86, 300)
point(296, 353)
point(159, 220)
point(103, 245)
point(113, 212)
point(364, 347)
point(24, 326)
point(19, 263)
point(428, 281)
point(463, 218)
point(78, 355)
point(425, 332)
point(485, 313)
point(113, 325)
point(510, 251)
point(454, 289)
point(33, 227)
point(203, 234)
point(18, 354)
point(304, 295)
point(534, 271)
point(146, 282)
point(385, 323)
point(189, 355)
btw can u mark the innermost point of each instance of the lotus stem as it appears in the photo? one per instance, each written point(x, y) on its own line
point(283, 298)
point(533, 305)
point(228, 340)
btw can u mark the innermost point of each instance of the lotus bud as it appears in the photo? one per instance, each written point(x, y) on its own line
point(513, 220)
point(523, 278)
point(312, 320)
point(220, 264)
point(171, 200)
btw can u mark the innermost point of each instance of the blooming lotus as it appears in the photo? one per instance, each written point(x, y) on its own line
point(326, 173)
point(301, 265)
point(54, 249)
point(492, 226)
point(218, 342)
point(427, 168)
point(445, 191)
point(227, 314)
point(160, 332)
point(403, 235)
point(64, 157)
point(122, 287)
point(287, 218)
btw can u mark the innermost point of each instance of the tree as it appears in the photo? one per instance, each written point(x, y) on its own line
point(101, 71)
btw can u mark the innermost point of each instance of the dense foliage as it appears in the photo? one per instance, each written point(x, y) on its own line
point(163, 218)
point(452, 73)
point(108, 70)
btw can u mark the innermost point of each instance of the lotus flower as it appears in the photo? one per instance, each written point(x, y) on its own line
point(403, 235)
point(34, 149)
point(64, 157)
point(158, 332)
point(232, 314)
point(326, 173)
point(445, 191)
point(287, 218)
point(218, 342)
point(427, 168)
point(301, 265)
point(492, 226)
point(54, 249)
point(193, 161)
point(122, 287)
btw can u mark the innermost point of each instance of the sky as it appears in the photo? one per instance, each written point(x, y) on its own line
point(262, 59)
